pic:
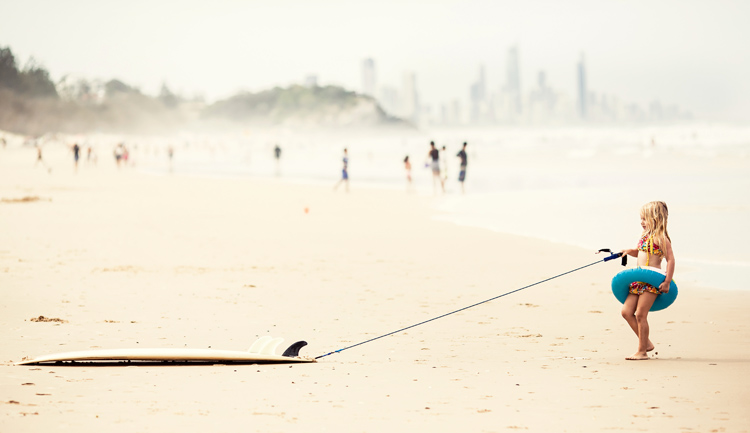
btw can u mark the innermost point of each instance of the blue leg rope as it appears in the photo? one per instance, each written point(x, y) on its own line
point(606, 259)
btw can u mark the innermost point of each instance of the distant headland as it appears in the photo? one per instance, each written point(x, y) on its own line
point(31, 103)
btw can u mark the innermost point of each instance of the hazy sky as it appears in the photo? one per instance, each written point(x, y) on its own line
point(691, 53)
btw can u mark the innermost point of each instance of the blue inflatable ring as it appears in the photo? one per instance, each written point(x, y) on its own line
point(654, 276)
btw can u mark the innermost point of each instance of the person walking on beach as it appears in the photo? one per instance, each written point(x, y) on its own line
point(91, 155)
point(434, 157)
point(462, 172)
point(170, 155)
point(653, 247)
point(76, 154)
point(407, 167)
point(444, 165)
point(38, 155)
point(277, 157)
point(344, 172)
point(118, 154)
point(39, 159)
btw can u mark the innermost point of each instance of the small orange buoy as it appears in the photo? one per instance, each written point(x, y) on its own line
point(307, 210)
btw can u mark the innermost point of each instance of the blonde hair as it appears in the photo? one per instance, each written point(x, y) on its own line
point(656, 213)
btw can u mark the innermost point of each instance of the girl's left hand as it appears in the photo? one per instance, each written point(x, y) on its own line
point(664, 287)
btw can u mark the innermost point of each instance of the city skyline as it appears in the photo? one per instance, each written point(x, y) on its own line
point(510, 104)
point(684, 53)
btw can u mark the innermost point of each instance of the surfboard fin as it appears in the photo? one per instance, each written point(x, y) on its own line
point(270, 347)
point(293, 350)
point(259, 343)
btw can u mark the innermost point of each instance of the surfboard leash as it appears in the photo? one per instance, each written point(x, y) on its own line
point(612, 256)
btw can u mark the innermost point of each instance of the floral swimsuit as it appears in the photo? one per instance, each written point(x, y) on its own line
point(646, 244)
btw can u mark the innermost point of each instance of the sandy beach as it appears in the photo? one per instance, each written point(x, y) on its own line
point(127, 259)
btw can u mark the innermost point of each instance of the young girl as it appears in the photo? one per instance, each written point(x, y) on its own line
point(407, 167)
point(653, 246)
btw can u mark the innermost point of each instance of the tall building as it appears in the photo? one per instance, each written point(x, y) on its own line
point(369, 82)
point(389, 100)
point(478, 96)
point(582, 92)
point(482, 84)
point(542, 101)
point(455, 112)
point(513, 81)
point(410, 98)
point(311, 80)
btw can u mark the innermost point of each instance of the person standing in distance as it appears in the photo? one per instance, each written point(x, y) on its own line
point(277, 156)
point(407, 167)
point(462, 172)
point(434, 157)
point(76, 154)
point(344, 172)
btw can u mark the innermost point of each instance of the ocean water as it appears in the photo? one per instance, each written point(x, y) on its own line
point(577, 186)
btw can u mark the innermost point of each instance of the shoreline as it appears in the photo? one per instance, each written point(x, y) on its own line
point(726, 273)
point(449, 207)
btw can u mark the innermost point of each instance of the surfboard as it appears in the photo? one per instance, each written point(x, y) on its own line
point(262, 351)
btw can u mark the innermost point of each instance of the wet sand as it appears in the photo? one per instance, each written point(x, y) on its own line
point(124, 259)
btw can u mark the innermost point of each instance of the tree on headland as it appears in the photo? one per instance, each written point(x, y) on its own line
point(8, 69)
point(35, 81)
point(30, 103)
point(31, 81)
point(168, 98)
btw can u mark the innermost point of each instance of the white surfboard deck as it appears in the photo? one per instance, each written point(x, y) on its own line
point(261, 352)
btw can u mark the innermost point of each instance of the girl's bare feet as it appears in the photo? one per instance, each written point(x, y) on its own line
point(638, 356)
